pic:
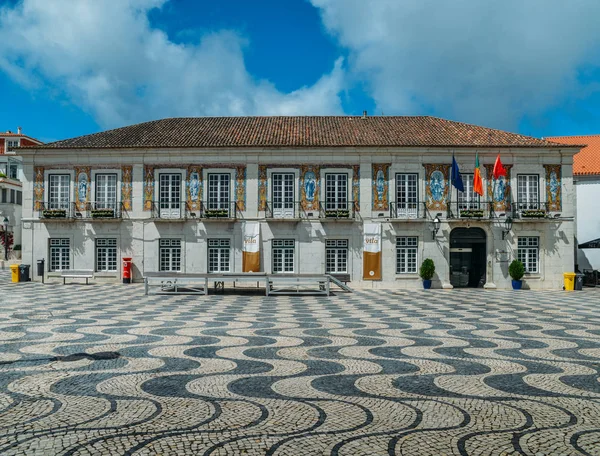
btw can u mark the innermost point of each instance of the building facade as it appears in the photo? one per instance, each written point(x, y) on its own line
point(364, 197)
point(11, 176)
point(586, 177)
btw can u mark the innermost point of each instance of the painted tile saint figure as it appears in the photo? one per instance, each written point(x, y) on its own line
point(82, 185)
point(310, 185)
point(500, 188)
point(380, 185)
point(436, 185)
point(194, 186)
point(554, 186)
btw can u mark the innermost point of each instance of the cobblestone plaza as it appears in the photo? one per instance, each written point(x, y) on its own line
point(102, 369)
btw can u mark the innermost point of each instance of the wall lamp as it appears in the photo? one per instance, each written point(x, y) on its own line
point(436, 226)
point(507, 227)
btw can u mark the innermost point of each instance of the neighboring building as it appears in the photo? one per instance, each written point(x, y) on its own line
point(185, 194)
point(11, 175)
point(586, 176)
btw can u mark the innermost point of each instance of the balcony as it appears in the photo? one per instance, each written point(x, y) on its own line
point(472, 210)
point(530, 210)
point(55, 211)
point(100, 211)
point(338, 210)
point(407, 210)
point(287, 210)
point(179, 211)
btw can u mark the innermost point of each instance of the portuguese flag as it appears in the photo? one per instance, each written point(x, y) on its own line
point(477, 182)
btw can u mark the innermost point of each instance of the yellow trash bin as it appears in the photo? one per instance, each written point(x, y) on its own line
point(569, 280)
point(14, 272)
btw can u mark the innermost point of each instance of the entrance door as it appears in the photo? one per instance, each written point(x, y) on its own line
point(283, 195)
point(170, 195)
point(468, 256)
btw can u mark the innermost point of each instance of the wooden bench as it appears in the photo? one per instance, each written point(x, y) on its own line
point(341, 277)
point(77, 274)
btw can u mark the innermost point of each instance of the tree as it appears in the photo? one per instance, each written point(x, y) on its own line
point(6, 239)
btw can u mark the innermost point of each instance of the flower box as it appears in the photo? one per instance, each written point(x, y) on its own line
point(471, 213)
point(533, 213)
point(103, 213)
point(341, 213)
point(54, 213)
point(216, 213)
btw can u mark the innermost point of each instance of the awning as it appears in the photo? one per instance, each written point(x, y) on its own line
point(595, 244)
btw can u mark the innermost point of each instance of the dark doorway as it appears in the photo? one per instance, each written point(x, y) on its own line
point(468, 257)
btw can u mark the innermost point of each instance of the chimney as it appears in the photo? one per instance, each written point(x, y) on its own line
point(364, 115)
point(19, 130)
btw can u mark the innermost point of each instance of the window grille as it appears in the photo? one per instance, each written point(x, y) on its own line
point(406, 255)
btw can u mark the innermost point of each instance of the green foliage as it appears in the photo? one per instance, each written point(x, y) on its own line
point(427, 269)
point(516, 270)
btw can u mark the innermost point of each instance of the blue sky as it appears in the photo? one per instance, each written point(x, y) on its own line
point(71, 68)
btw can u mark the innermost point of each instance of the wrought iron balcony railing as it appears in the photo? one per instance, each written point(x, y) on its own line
point(173, 210)
point(55, 210)
point(286, 210)
point(530, 210)
point(338, 210)
point(472, 209)
point(407, 210)
point(99, 210)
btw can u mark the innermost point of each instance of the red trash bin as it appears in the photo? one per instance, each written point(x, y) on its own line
point(126, 270)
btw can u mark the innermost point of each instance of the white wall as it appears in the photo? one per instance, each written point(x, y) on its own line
point(588, 220)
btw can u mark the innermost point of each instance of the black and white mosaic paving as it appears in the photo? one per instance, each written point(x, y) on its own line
point(102, 369)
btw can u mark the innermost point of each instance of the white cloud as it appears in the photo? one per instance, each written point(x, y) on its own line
point(106, 58)
point(486, 62)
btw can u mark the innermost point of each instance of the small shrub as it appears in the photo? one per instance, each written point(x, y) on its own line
point(516, 270)
point(427, 269)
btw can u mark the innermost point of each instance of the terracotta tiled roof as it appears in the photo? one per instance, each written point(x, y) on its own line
point(588, 160)
point(311, 131)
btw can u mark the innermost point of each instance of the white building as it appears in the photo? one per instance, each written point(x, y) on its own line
point(586, 176)
point(177, 194)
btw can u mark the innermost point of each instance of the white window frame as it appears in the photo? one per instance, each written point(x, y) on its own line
point(406, 209)
point(337, 250)
point(62, 246)
point(285, 245)
point(323, 190)
point(8, 143)
point(528, 253)
point(170, 243)
point(530, 202)
point(48, 173)
point(405, 247)
point(105, 246)
point(468, 199)
point(60, 203)
point(295, 172)
point(221, 248)
point(97, 172)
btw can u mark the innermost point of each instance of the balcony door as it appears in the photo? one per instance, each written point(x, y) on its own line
point(468, 199)
point(106, 191)
point(58, 191)
point(336, 192)
point(170, 195)
point(283, 195)
point(407, 204)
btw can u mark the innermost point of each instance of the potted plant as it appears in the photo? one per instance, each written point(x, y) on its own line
point(426, 272)
point(516, 271)
point(54, 213)
point(337, 213)
point(103, 213)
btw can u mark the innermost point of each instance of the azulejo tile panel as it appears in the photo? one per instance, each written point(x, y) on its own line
point(126, 186)
point(499, 190)
point(380, 184)
point(194, 184)
point(38, 188)
point(83, 179)
point(554, 187)
point(148, 187)
point(437, 186)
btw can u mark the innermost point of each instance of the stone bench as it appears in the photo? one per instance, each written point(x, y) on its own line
point(77, 274)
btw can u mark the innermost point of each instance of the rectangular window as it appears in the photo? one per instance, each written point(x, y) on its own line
point(106, 255)
point(336, 256)
point(406, 255)
point(169, 193)
point(468, 199)
point(4, 195)
point(170, 255)
point(58, 191)
point(60, 254)
point(283, 195)
point(13, 170)
point(19, 197)
point(218, 255)
point(106, 191)
point(13, 196)
point(10, 143)
point(528, 253)
point(336, 192)
point(218, 191)
point(283, 255)
point(407, 204)
point(528, 192)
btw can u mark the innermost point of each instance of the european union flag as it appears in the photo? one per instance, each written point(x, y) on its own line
point(456, 177)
